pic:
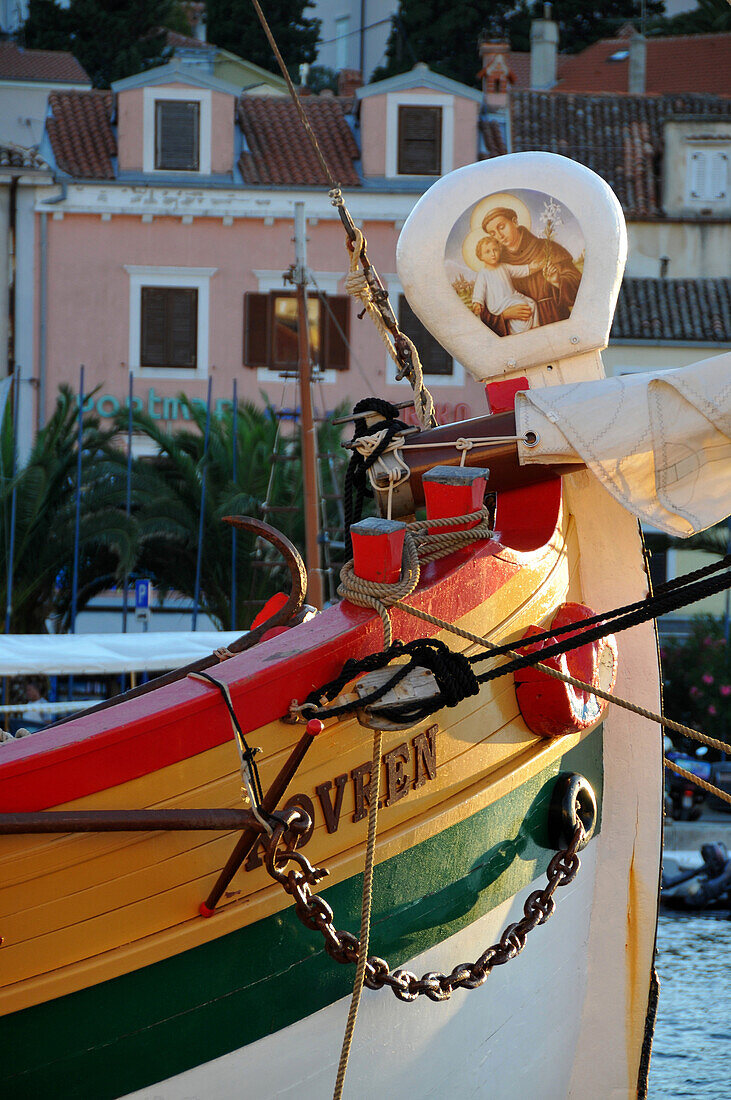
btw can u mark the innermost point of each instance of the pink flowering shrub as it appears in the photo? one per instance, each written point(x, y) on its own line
point(697, 682)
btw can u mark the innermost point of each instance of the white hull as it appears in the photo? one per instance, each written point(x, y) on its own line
point(501, 1040)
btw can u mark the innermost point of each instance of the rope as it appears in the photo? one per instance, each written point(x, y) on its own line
point(365, 912)
point(690, 777)
point(420, 545)
point(355, 486)
point(293, 93)
point(249, 771)
point(373, 594)
point(358, 285)
point(556, 674)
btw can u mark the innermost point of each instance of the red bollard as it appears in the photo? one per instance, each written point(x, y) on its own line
point(378, 546)
point(454, 491)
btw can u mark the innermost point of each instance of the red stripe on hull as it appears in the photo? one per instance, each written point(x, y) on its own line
point(185, 718)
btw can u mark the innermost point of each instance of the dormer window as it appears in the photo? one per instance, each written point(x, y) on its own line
point(177, 130)
point(177, 135)
point(419, 133)
point(419, 141)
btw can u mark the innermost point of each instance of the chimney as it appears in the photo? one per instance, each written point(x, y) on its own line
point(637, 64)
point(543, 51)
point(348, 81)
point(495, 72)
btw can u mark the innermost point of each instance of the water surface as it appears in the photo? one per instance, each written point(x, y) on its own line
point(692, 1049)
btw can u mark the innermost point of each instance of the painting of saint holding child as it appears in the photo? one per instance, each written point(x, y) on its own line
point(516, 260)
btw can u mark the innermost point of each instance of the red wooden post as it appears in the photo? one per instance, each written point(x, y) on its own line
point(454, 491)
point(378, 546)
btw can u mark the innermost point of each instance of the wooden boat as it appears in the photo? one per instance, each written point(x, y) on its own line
point(113, 983)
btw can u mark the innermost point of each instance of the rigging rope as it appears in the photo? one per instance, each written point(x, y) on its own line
point(406, 355)
point(358, 286)
point(672, 596)
point(365, 912)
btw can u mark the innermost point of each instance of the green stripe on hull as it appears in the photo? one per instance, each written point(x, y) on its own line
point(146, 1026)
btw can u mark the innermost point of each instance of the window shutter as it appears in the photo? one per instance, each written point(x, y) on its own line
point(152, 350)
point(256, 330)
point(169, 327)
point(719, 176)
point(182, 325)
point(434, 359)
point(177, 131)
point(336, 317)
point(419, 141)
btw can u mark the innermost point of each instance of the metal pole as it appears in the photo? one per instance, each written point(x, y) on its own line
point(77, 519)
point(361, 51)
point(13, 498)
point(128, 502)
point(727, 633)
point(234, 431)
point(126, 821)
point(199, 561)
point(309, 433)
point(42, 321)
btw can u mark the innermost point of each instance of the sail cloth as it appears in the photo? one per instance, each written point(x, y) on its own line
point(660, 442)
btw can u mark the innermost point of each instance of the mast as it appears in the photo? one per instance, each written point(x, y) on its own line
point(309, 433)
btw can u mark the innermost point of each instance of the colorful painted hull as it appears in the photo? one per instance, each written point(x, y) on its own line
point(112, 982)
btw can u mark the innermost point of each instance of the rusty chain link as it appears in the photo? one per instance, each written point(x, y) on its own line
point(316, 914)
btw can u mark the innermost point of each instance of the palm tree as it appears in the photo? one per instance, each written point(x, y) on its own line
point(170, 491)
point(45, 512)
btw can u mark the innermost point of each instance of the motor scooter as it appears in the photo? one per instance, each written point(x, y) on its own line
point(684, 800)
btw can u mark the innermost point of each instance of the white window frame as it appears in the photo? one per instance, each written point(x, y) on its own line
point(327, 282)
point(184, 278)
point(708, 149)
point(456, 378)
point(394, 100)
point(154, 94)
point(342, 33)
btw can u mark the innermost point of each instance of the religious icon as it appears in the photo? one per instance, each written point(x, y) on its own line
point(516, 259)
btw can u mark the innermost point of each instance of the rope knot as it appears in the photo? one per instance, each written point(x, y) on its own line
point(452, 671)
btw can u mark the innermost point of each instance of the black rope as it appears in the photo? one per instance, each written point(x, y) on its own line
point(607, 618)
point(355, 487)
point(248, 753)
point(452, 671)
point(453, 682)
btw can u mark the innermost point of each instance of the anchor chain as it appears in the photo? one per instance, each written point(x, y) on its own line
point(343, 947)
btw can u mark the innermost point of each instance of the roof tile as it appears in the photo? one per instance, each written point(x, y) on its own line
point(49, 66)
point(697, 310)
point(619, 136)
point(81, 134)
point(684, 63)
point(279, 152)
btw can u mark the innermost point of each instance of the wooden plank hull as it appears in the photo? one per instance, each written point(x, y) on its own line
point(104, 952)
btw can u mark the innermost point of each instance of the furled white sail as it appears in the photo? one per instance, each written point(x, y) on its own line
point(660, 442)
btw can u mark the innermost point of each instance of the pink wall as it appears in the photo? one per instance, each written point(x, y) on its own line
point(465, 131)
point(89, 300)
point(222, 132)
point(374, 134)
point(129, 130)
point(130, 125)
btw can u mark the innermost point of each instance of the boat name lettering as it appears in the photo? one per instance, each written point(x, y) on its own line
point(406, 767)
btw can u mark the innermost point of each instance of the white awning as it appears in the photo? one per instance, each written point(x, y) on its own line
point(93, 654)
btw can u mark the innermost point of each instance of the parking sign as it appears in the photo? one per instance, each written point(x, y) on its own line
point(144, 593)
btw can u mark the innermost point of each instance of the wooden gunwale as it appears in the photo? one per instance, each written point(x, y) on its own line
point(65, 897)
